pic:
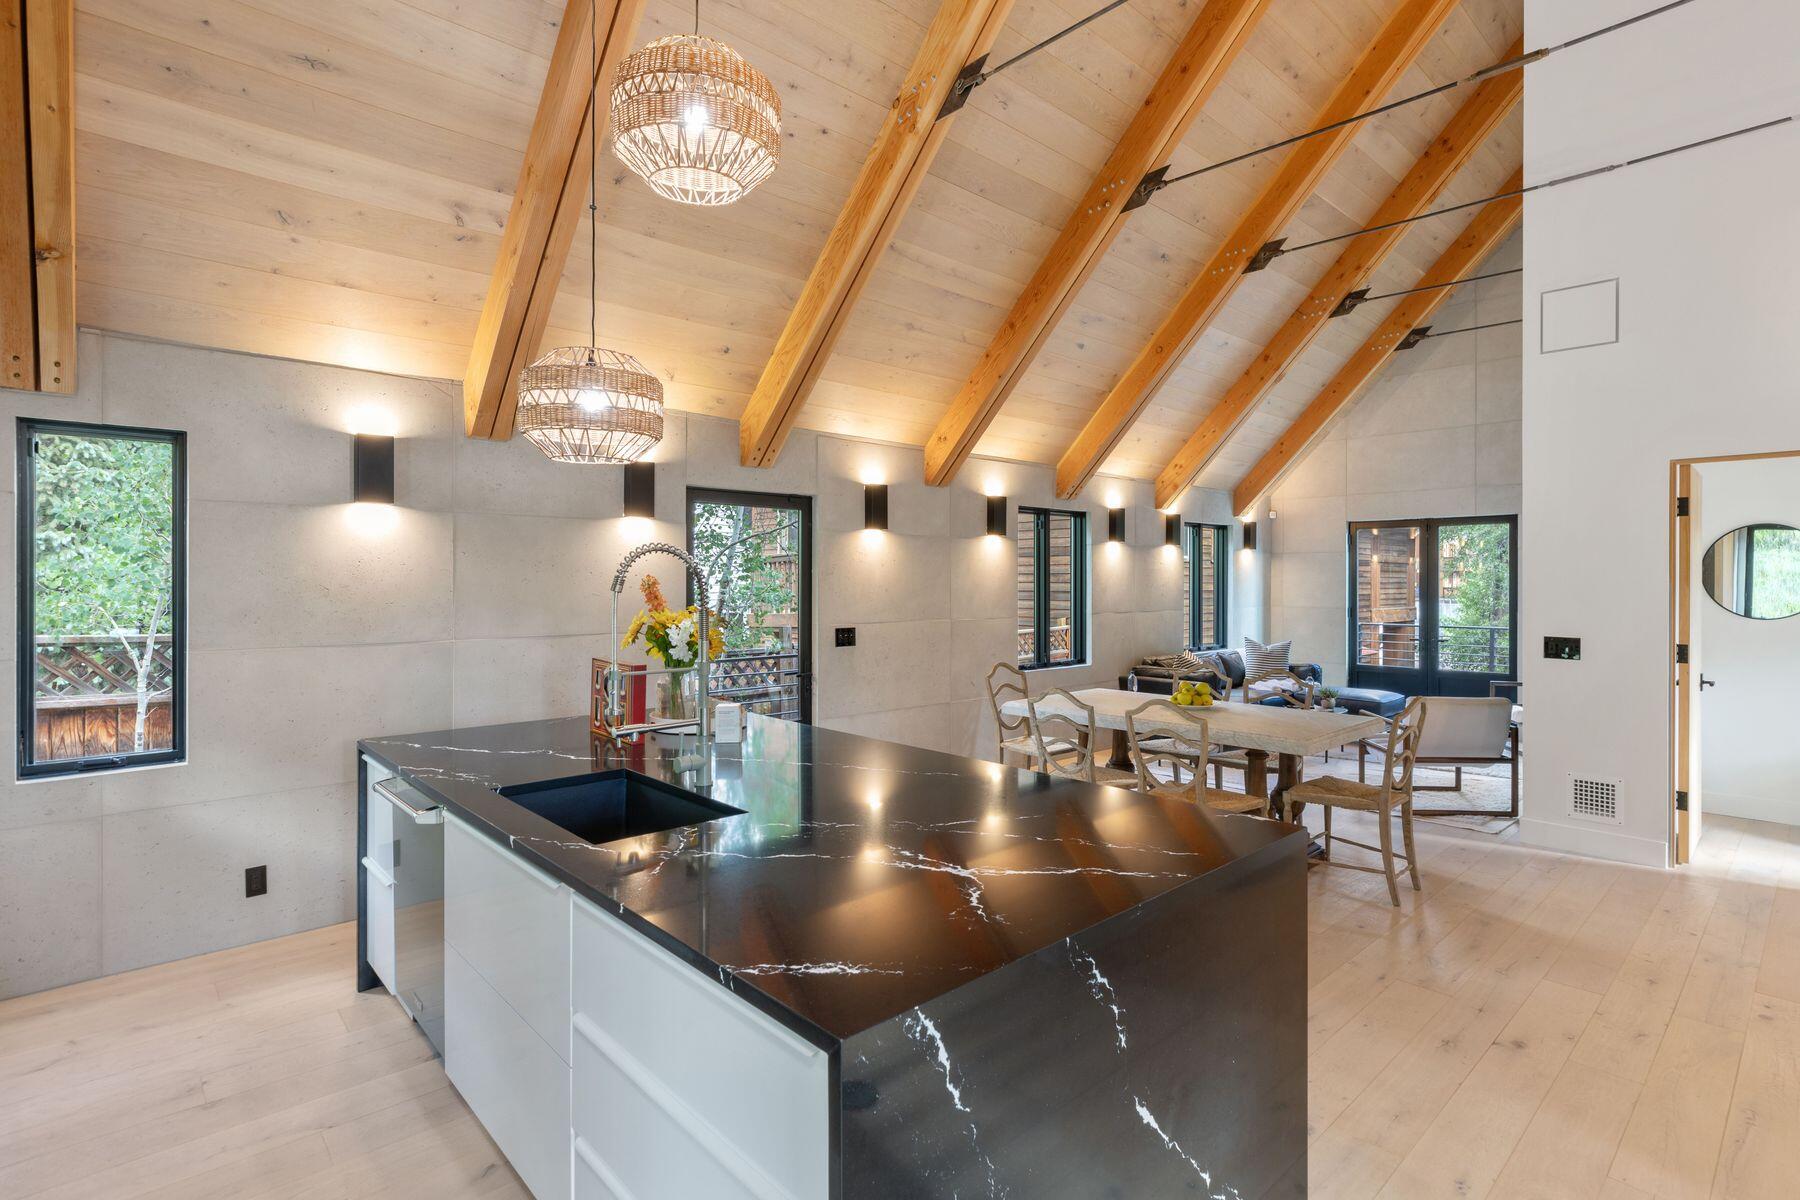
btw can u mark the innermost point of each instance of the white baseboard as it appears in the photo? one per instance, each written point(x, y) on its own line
point(1782, 810)
point(1593, 842)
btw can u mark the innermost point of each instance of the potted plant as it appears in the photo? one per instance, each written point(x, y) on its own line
point(1328, 697)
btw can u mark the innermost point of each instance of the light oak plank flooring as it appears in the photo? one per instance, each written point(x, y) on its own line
point(1529, 1026)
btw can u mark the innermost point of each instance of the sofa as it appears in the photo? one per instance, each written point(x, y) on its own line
point(1157, 675)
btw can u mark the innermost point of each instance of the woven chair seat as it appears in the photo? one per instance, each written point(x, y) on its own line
point(1019, 745)
point(1337, 793)
point(1218, 801)
point(1112, 775)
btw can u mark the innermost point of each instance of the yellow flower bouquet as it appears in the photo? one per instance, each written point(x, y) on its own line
point(671, 635)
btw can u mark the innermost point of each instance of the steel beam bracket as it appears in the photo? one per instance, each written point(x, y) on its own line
point(1262, 258)
point(966, 82)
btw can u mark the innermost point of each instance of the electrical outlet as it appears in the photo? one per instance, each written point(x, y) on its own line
point(256, 881)
point(846, 635)
point(1562, 647)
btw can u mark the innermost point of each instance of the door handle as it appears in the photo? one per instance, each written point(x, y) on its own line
point(1706, 683)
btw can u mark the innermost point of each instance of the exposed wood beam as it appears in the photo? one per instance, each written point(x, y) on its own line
point(1491, 224)
point(1430, 175)
point(18, 309)
point(1406, 33)
point(37, 195)
point(1179, 94)
point(962, 31)
point(546, 210)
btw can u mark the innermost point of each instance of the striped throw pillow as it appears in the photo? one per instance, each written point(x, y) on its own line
point(1187, 662)
point(1262, 661)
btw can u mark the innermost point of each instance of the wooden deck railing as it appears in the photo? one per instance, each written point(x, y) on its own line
point(85, 692)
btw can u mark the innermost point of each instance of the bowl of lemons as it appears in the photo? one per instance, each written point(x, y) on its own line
point(1199, 695)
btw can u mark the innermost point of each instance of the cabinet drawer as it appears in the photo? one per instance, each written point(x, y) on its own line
point(716, 1072)
point(594, 1180)
point(516, 1084)
point(511, 922)
point(647, 1143)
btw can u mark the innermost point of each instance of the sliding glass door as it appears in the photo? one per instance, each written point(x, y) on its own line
point(1434, 605)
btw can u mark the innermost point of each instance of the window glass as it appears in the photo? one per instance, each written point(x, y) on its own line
point(1052, 587)
point(101, 627)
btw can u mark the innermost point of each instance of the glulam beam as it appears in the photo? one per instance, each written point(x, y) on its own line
point(37, 195)
point(961, 32)
point(1489, 227)
point(1447, 153)
point(546, 209)
point(1180, 93)
point(1395, 47)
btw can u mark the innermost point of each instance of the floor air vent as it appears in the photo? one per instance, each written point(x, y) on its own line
point(1595, 800)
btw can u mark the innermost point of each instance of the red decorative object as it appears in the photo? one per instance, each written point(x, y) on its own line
point(635, 685)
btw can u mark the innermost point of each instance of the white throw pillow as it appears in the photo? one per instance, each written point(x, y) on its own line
point(1262, 661)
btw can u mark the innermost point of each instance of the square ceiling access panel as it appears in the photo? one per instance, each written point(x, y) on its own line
point(1573, 318)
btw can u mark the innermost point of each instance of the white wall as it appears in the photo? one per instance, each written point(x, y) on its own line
point(1750, 761)
point(1703, 245)
point(1435, 435)
point(479, 597)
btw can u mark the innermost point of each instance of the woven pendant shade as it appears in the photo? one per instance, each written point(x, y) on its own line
point(585, 405)
point(694, 120)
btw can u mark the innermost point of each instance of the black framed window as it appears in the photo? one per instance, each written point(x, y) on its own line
point(102, 541)
point(1434, 605)
point(1206, 549)
point(1052, 587)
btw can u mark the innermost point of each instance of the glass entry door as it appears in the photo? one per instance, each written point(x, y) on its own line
point(757, 550)
point(1434, 605)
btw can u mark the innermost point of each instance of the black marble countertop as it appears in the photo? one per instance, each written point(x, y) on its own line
point(862, 878)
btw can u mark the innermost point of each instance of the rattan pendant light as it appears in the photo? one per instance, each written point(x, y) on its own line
point(694, 120)
point(583, 404)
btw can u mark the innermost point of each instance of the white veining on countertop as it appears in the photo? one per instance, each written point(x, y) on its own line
point(1101, 987)
point(1149, 1118)
point(924, 1030)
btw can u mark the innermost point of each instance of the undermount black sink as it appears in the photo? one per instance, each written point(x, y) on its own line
point(612, 805)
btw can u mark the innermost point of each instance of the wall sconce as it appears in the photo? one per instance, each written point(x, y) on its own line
point(640, 489)
point(875, 506)
point(1172, 529)
point(1249, 542)
point(373, 469)
point(1115, 524)
point(996, 521)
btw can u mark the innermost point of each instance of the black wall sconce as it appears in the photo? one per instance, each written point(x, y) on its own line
point(640, 489)
point(1171, 529)
point(875, 506)
point(1115, 524)
point(373, 474)
point(1249, 535)
point(996, 524)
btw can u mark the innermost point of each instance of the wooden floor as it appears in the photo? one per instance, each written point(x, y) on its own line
point(1530, 1025)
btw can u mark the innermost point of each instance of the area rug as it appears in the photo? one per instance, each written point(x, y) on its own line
point(1486, 788)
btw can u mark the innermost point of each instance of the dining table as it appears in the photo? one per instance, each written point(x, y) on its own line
point(1289, 734)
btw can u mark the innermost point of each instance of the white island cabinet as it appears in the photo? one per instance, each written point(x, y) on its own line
point(506, 1003)
point(604, 1066)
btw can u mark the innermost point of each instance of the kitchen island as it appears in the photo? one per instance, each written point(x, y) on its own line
point(847, 968)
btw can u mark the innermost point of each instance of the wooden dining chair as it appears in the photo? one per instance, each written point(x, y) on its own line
point(1393, 794)
point(1065, 738)
point(1175, 736)
point(1231, 758)
point(1012, 735)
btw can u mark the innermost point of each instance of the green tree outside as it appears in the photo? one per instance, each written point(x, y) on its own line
point(104, 545)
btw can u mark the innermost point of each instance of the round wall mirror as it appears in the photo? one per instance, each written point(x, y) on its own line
point(1754, 571)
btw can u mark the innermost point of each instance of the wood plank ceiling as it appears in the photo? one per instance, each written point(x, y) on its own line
point(328, 181)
